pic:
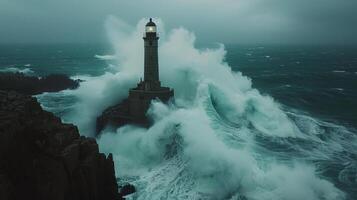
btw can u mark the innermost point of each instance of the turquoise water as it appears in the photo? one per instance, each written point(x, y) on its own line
point(68, 59)
point(237, 144)
point(320, 80)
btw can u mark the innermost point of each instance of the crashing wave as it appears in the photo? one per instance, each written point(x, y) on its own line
point(222, 139)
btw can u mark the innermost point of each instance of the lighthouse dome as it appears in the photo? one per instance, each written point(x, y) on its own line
point(150, 23)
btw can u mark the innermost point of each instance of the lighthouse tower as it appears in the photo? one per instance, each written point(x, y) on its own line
point(150, 88)
point(134, 108)
point(151, 59)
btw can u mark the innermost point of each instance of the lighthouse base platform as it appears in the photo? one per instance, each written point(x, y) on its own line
point(133, 109)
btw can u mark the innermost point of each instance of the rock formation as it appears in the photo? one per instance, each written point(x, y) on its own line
point(44, 159)
point(32, 85)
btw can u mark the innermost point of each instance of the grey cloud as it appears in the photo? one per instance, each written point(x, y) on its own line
point(228, 21)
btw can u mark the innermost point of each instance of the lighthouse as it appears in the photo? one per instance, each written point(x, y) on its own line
point(151, 58)
point(133, 109)
point(150, 88)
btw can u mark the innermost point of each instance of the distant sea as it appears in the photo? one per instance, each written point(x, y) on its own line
point(318, 80)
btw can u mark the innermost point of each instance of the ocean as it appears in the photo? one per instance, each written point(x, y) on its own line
point(319, 80)
point(272, 122)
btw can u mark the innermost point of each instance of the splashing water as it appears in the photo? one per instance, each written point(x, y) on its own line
point(221, 139)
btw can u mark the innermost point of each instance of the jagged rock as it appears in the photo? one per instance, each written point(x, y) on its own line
point(42, 158)
point(71, 156)
point(127, 189)
point(32, 85)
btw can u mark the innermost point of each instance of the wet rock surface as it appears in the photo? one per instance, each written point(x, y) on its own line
point(42, 158)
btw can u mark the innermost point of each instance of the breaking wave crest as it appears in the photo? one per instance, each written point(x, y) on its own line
point(195, 152)
point(26, 71)
point(221, 138)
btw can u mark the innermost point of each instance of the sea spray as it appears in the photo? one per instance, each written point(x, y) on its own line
point(221, 139)
point(207, 165)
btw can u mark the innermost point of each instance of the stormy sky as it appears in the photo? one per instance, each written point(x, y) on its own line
point(227, 21)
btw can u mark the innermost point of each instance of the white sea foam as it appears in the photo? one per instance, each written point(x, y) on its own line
point(26, 71)
point(338, 71)
point(105, 57)
point(213, 143)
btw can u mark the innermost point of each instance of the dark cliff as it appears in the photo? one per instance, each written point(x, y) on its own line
point(32, 85)
point(42, 158)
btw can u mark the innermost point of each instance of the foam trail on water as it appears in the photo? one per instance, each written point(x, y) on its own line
point(221, 139)
point(105, 57)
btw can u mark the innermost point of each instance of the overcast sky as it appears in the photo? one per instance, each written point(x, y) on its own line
point(227, 21)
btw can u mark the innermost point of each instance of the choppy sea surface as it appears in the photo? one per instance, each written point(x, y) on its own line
point(273, 122)
point(321, 80)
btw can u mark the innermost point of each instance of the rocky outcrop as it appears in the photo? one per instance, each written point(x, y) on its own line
point(42, 158)
point(32, 85)
point(118, 115)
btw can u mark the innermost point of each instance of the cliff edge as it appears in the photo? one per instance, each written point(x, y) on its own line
point(42, 158)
